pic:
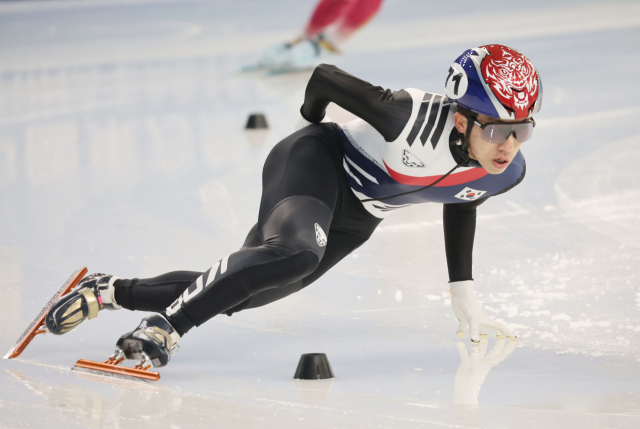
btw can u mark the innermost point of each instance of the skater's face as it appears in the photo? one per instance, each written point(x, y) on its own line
point(495, 158)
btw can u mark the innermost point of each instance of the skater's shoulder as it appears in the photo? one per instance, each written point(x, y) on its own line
point(422, 96)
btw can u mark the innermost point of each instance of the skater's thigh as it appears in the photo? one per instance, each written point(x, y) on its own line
point(339, 245)
point(301, 165)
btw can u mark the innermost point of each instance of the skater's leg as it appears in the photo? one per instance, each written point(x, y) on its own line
point(339, 245)
point(157, 293)
point(290, 252)
point(300, 190)
point(355, 15)
point(351, 226)
point(325, 13)
point(153, 294)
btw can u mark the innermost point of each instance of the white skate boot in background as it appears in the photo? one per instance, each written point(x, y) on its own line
point(291, 57)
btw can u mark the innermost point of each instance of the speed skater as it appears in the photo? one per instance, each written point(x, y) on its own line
point(327, 186)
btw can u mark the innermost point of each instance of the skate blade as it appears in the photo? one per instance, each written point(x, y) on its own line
point(115, 370)
point(116, 380)
point(35, 327)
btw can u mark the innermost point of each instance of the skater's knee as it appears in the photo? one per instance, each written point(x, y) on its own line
point(297, 225)
point(304, 263)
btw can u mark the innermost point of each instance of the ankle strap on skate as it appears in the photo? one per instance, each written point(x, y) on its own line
point(92, 302)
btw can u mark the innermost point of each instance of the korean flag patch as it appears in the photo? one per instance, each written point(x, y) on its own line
point(469, 194)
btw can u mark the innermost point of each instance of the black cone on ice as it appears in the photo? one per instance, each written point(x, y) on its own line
point(314, 366)
point(256, 121)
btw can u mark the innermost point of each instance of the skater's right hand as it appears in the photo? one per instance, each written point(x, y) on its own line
point(302, 122)
point(470, 314)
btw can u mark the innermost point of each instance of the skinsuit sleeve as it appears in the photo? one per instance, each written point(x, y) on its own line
point(383, 109)
point(459, 222)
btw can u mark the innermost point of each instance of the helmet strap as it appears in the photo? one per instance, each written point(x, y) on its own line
point(466, 145)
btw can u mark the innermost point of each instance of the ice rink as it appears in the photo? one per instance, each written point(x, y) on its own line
point(122, 148)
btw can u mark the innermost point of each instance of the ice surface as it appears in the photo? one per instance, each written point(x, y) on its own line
point(122, 148)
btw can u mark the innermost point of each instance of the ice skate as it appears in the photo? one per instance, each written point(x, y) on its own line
point(154, 341)
point(291, 57)
point(328, 45)
point(93, 293)
point(151, 344)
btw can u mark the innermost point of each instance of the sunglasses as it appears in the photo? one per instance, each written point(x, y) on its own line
point(499, 133)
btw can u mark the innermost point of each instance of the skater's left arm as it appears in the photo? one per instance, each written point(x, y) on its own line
point(459, 222)
point(386, 111)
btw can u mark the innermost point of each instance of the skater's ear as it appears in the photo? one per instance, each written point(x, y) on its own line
point(461, 122)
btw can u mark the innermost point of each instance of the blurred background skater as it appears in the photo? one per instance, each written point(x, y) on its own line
point(330, 25)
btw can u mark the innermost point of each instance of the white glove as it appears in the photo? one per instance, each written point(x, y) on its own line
point(470, 314)
point(302, 122)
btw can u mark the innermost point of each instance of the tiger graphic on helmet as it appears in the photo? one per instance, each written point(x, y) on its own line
point(512, 77)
